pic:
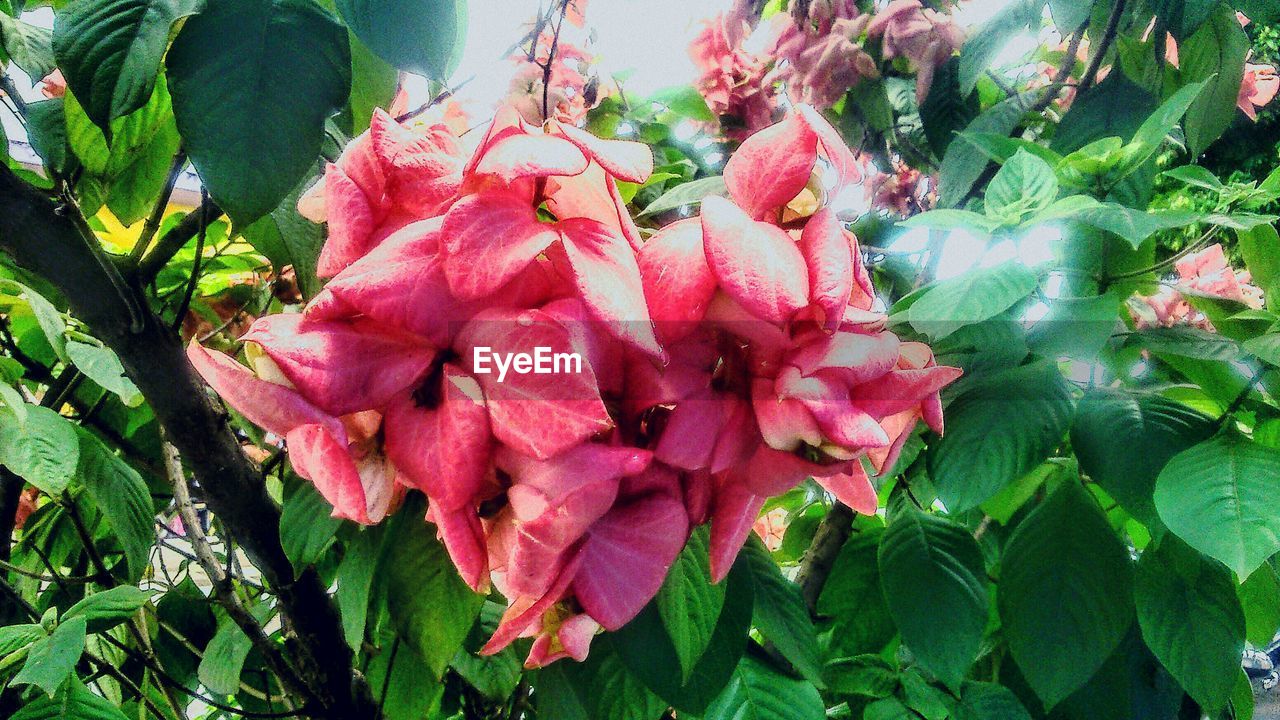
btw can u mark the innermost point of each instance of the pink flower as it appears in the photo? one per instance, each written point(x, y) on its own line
point(54, 85)
point(818, 63)
point(573, 88)
point(1206, 272)
point(923, 36)
point(1257, 89)
point(733, 81)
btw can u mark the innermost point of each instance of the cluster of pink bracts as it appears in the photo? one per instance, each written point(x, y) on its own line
point(726, 359)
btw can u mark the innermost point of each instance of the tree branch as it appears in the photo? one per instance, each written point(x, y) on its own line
point(177, 238)
point(40, 236)
point(818, 560)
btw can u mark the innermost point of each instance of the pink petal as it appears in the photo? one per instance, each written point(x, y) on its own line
point(524, 613)
point(689, 437)
point(608, 280)
point(626, 557)
point(903, 389)
point(773, 472)
point(853, 488)
point(785, 423)
point(756, 263)
point(536, 414)
point(489, 239)
point(532, 155)
point(273, 407)
point(732, 516)
point(772, 166)
point(834, 148)
point(442, 450)
point(623, 159)
point(678, 284)
point(317, 455)
point(463, 537)
point(829, 257)
point(350, 223)
point(853, 357)
point(343, 366)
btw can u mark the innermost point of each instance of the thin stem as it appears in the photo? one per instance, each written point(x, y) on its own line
point(152, 225)
point(1199, 244)
point(55, 578)
point(176, 238)
point(195, 263)
point(1108, 38)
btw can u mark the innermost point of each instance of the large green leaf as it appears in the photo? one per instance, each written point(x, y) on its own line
point(1115, 107)
point(1110, 423)
point(852, 597)
point(1024, 185)
point(110, 51)
point(76, 702)
point(1191, 619)
point(1260, 598)
point(307, 525)
point(989, 701)
point(16, 637)
point(373, 85)
point(100, 364)
point(934, 584)
point(1003, 425)
point(689, 603)
point(355, 583)
point(780, 613)
point(421, 36)
point(51, 660)
point(963, 163)
point(945, 111)
point(1260, 248)
point(1134, 226)
point(686, 194)
point(1215, 54)
point(602, 687)
point(1065, 593)
point(43, 450)
point(1220, 497)
point(970, 298)
point(122, 496)
point(288, 239)
point(649, 653)
point(223, 660)
point(432, 608)
point(253, 82)
point(28, 45)
point(106, 609)
point(759, 693)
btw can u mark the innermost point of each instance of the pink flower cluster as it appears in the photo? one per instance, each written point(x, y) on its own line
point(815, 56)
point(722, 361)
point(1205, 273)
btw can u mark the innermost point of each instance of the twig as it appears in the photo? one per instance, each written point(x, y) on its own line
point(1064, 72)
point(54, 578)
point(222, 586)
point(178, 236)
point(816, 564)
point(11, 91)
point(1108, 37)
point(439, 98)
point(195, 263)
point(152, 225)
point(551, 58)
point(1204, 240)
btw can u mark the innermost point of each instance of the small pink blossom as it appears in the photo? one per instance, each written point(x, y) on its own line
point(925, 37)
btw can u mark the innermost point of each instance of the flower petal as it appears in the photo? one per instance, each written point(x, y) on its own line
point(350, 219)
point(772, 166)
point(678, 284)
point(489, 239)
point(853, 488)
point(531, 155)
point(732, 515)
point(608, 280)
point(623, 159)
point(829, 257)
point(757, 264)
point(325, 460)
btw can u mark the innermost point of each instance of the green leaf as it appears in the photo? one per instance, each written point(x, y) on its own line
point(15, 637)
point(759, 693)
point(1266, 347)
point(432, 608)
point(252, 112)
point(1110, 423)
point(963, 163)
point(51, 660)
point(1024, 185)
point(47, 128)
point(404, 680)
point(865, 675)
point(224, 656)
point(1065, 593)
point(1077, 328)
point(373, 85)
point(1001, 427)
point(648, 652)
point(989, 701)
point(975, 296)
point(1191, 619)
point(1157, 127)
point(1260, 248)
point(307, 525)
point(46, 315)
point(888, 709)
point(689, 604)
point(1188, 341)
point(780, 613)
point(1000, 147)
point(43, 450)
point(934, 585)
point(1135, 226)
point(76, 702)
point(1214, 54)
point(686, 194)
point(104, 610)
point(1115, 107)
point(946, 111)
point(599, 688)
point(686, 101)
point(122, 496)
point(424, 37)
point(1195, 176)
point(355, 583)
point(853, 597)
point(1069, 15)
point(110, 51)
point(1260, 598)
point(1219, 496)
point(924, 699)
point(288, 239)
point(28, 45)
point(982, 47)
point(101, 365)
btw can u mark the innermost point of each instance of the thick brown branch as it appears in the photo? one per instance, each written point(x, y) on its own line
point(42, 237)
